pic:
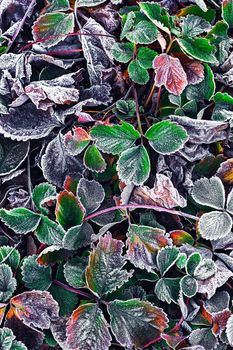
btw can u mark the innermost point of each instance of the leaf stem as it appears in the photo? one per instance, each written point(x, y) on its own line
point(66, 35)
point(16, 33)
point(137, 110)
point(174, 329)
point(143, 206)
point(73, 290)
point(80, 292)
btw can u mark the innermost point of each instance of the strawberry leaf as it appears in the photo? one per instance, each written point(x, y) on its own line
point(78, 236)
point(69, 210)
point(215, 225)
point(144, 32)
point(188, 286)
point(146, 57)
point(142, 243)
point(93, 159)
point(20, 220)
point(227, 12)
point(41, 194)
point(7, 283)
point(123, 52)
point(199, 48)
point(76, 140)
point(114, 139)
point(142, 322)
point(166, 137)
point(137, 73)
point(105, 272)
point(35, 308)
point(54, 25)
point(170, 73)
point(134, 165)
point(88, 329)
point(91, 194)
point(168, 289)
point(6, 338)
point(49, 232)
point(34, 275)
point(166, 258)
point(194, 25)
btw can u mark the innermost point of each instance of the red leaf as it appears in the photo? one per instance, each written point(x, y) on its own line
point(35, 308)
point(170, 73)
point(193, 69)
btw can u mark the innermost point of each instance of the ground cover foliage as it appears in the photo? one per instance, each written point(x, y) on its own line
point(116, 168)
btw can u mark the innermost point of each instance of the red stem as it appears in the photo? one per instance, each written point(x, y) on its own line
point(62, 52)
point(68, 34)
point(137, 206)
point(174, 329)
point(73, 290)
point(16, 33)
point(41, 247)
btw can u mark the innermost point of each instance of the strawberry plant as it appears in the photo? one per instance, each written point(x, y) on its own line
point(116, 169)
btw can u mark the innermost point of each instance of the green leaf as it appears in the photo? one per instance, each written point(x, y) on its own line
point(205, 89)
point(114, 139)
point(20, 220)
point(215, 225)
point(57, 5)
point(41, 194)
point(66, 300)
point(125, 108)
point(52, 25)
point(18, 345)
point(194, 25)
point(199, 48)
point(144, 32)
point(105, 272)
point(209, 15)
point(141, 321)
point(146, 56)
point(133, 166)
point(91, 194)
point(209, 192)
point(74, 271)
point(166, 258)
point(49, 232)
point(227, 12)
point(128, 24)
point(88, 329)
point(137, 73)
point(188, 286)
point(76, 140)
point(78, 236)
point(10, 256)
point(123, 52)
point(205, 269)
point(34, 275)
point(166, 137)
point(69, 210)
point(12, 155)
point(193, 261)
point(93, 159)
point(142, 244)
point(168, 289)
point(153, 11)
point(181, 261)
point(7, 283)
point(6, 338)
